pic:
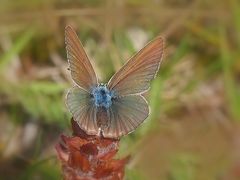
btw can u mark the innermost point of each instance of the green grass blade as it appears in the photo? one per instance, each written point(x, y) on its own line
point(18, 46)
point(232, 92)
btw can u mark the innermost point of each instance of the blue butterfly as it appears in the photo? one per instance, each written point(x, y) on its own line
point(118, 107)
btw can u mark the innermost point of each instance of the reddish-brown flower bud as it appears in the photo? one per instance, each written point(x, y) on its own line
point(89, 157)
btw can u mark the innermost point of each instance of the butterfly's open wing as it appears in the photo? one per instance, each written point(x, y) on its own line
point(135, 76)
point(83, 110)
point(81, 69)
point(125, 115)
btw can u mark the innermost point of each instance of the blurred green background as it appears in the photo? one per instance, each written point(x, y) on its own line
point(193, 131)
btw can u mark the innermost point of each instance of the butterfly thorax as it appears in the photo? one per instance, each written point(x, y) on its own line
point(102, 96)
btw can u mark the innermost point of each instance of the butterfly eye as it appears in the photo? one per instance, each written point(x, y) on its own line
point(91, 96)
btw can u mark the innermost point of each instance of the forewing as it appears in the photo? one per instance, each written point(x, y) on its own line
point(81, 69)
point(83, 110)
point(125, 115)
point(135, 76)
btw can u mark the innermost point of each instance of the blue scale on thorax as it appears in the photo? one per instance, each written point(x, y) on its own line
point(102, 96)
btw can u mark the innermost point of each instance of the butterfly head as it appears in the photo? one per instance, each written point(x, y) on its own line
point(102, 96)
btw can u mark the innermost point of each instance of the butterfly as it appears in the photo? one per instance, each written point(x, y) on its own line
point(117, 108)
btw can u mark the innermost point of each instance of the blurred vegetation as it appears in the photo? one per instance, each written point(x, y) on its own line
point(193, 129)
